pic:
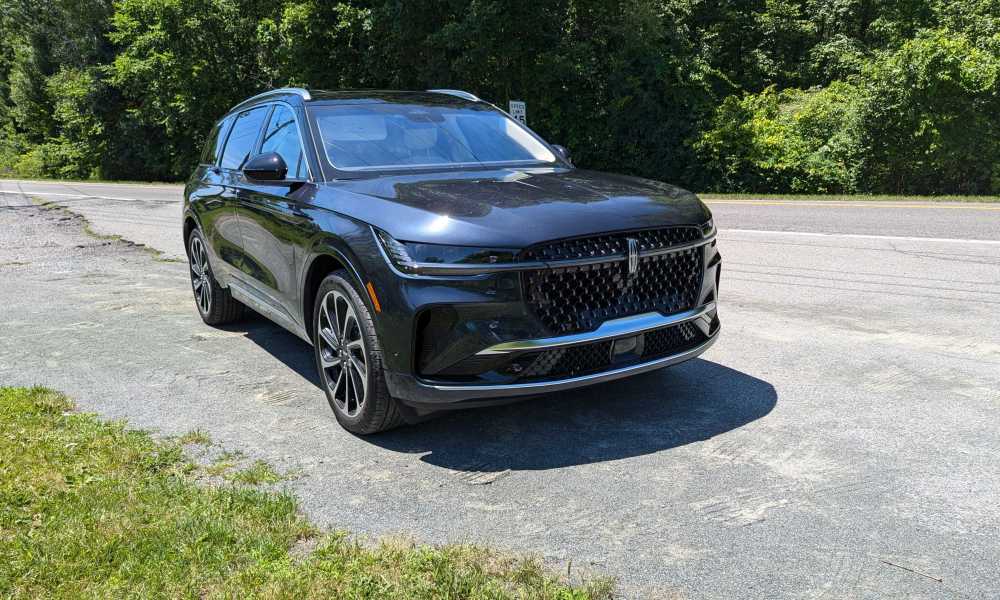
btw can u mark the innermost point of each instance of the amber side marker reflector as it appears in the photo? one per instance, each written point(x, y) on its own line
point(371, 294)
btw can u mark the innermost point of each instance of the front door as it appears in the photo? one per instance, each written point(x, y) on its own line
point(272, 222)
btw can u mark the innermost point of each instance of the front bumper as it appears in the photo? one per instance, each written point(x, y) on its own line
point(455, 341)
point(429, 396)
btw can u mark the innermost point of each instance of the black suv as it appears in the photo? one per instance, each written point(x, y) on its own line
point(439, 254)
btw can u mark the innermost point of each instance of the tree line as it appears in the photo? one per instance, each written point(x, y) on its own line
point(824, 96)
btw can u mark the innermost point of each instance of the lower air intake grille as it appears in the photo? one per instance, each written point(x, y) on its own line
point(671, 340)
point(562, 363)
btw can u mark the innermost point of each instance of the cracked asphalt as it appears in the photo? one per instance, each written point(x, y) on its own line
point(840, 441)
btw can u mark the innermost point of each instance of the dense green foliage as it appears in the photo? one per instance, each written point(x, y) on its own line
point(890, 96)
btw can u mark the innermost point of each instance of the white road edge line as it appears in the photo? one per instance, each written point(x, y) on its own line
point(160, 186)
point(80, 196)
point(900, 238)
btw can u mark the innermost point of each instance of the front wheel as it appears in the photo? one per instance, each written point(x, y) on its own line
point(349, 359)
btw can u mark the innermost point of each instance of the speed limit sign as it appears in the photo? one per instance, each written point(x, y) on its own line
point(519, 111)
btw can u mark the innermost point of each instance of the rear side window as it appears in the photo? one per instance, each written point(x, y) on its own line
point(215, 140)
point(243, 137)
point(282, 137)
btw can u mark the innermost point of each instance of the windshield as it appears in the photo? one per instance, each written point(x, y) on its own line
point(393, 136)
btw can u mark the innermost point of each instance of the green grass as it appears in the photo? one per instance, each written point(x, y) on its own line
point(92, 509)
point(197, 437)
point(847, 197)
point(256, 474)
point(222, 464)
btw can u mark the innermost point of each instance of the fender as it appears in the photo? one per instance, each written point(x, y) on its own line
point(331, 245)
point(189, 214)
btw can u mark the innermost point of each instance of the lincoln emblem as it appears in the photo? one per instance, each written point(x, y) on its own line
point(633, 256)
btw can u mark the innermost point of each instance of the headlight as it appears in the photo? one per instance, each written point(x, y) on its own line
point(412, 257)
point(397, 252)
point(708, 229)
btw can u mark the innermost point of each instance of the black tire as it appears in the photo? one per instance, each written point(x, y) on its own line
point(378, 411)
point(215, 304)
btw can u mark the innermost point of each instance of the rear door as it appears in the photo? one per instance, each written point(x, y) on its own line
point(206, 193)
point(272, 221)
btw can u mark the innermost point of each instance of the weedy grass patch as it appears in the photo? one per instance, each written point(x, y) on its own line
point(196, 437)
point(93, 509)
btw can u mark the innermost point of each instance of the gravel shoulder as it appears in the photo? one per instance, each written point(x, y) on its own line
point(840, 439)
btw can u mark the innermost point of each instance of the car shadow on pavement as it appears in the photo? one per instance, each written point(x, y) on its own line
point(649, 413)
point(657, 411)
point(283, 345)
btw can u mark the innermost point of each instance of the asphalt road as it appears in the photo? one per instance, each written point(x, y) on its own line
point(146, 214)
point(839, 441)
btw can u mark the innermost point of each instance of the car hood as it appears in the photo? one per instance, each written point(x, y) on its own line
point(511, 208)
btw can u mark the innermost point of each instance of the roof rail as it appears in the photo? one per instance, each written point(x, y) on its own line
point(458, 93)
point(303, 93)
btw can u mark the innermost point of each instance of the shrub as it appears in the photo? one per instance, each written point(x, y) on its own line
point(796, 140)
point(930, 122)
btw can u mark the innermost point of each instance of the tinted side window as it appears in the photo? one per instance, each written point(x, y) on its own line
point(282, 136)
point(215, 140)
point(244, 135)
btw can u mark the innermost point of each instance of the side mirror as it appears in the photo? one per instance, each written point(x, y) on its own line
point(266, 167)
point(562, 152)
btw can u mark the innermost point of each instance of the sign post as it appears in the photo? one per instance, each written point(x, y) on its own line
point(519, 111)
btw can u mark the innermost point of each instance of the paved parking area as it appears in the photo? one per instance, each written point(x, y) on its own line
point(839, 441)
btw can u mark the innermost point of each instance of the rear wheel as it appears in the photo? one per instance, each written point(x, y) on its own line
point(349, 359)
point(215, 304)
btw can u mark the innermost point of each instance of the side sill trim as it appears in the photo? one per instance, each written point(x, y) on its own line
point(252, 299)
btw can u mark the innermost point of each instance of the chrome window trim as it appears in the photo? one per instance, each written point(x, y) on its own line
point(301, 92)
point(457, 93)
point(615, 328)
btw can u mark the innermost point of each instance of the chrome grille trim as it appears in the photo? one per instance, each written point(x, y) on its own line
point(474, 269)
point(616, 328)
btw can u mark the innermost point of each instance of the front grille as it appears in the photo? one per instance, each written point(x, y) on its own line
point(579, 298)
point(611, 244)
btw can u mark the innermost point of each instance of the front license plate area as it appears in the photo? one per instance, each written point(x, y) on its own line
point(625, 349)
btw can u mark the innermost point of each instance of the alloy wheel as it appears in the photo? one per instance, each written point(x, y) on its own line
point(342, 353)
point(200, 275)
